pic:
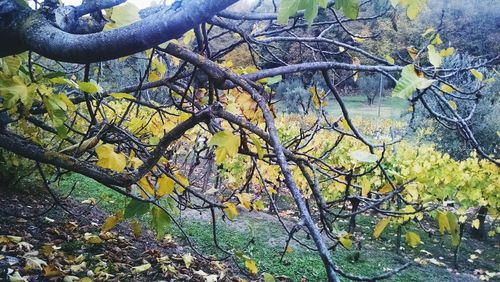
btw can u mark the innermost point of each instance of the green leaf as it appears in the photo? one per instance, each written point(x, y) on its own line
point(409, 82)
point(159, 221)
point(274, 79)
point(63, 80)
point(268, 277)
point(434, 57)
point(14, 89)
point(260, 150)
point(363, 156)
point(323, 3)
point(88, 87)
point(136, 208)
point(23, 3)
point(287, 9)
point(54, 74)
point(454, 229)
point(311, 11)
point(56, 108)
point(350, 8)
point(122, 96)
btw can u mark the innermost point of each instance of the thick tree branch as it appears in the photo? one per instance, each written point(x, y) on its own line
point(29, 30)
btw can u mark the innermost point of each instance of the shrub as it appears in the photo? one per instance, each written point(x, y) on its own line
point(293, 97)
point(484, 123)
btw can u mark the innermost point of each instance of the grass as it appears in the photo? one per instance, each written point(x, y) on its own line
point(256, 239)
point(390, 107)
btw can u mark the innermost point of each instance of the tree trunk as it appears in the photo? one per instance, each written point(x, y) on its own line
point(480, 233)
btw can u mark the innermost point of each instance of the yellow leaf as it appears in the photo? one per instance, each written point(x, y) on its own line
point(251, 266)
point(67, 101)
point(386, 188)
point(427, 31)
point(165, 186)
point(135, 162)
point(389, 59)
point(356, 61)
point(183, 180)
point(345, 125)
point(147, 190)
point(476, 223)
point(121, 95)
point(188, 259)
point(444, 225)
point(434, 57)
point(158, 69)
point(107, 158)
point(365, 187)
point(437, 40)
point(412, 239)
point(121, 16)
point(414, 8)
point(447, 52)
point(447, 89)
point(231, 210)
point(271, 190)
point(140, 268)
point(227, 145)
point(136, 228)
point(346, 241)
point(477, 74)
point(260, 150)
point(188, 37)
point(412, 51)
point(318, 98)
point(453, 105)
point(245, 199)
point(81, 148)
point(379, 228)
point(112, 221)
point(32, 262)
point(92, 239)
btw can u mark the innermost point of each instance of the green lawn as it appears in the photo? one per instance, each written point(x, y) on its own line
point(390, 107)
point(257, 239)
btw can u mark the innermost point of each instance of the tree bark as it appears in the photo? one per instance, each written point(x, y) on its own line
point(23, 29)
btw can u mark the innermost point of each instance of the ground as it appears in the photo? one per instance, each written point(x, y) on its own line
point(257, 235)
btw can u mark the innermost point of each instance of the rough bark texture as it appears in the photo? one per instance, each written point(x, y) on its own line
point(24, 30)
